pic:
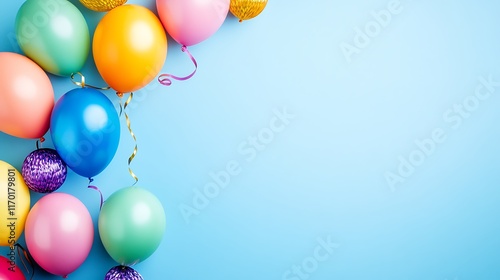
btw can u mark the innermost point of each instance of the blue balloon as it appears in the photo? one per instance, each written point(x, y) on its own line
point(85, 129)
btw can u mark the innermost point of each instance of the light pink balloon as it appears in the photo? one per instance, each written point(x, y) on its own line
point(191, 21)
point(26, 97)
point(59, 233)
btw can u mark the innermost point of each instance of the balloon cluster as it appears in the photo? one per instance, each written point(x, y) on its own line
point(129, 49)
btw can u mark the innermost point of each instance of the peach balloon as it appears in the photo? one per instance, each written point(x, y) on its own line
point(26, 97)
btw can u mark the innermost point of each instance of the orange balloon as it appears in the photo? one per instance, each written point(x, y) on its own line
point(26, 97)
point(130, 47)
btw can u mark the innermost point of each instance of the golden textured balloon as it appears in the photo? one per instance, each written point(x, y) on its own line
point(102, 5)
point(247, 9)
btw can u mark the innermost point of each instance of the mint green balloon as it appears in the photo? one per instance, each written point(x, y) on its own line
point(131, 225)
point(54, 34)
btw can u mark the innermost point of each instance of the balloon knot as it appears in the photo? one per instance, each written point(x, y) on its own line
point(240, 20)
point(184, 48)
point(119, 94)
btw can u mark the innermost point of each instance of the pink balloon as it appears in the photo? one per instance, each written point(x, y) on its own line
point(59, 233)
point(192, 21)
point(26, 97)
point(9, 270)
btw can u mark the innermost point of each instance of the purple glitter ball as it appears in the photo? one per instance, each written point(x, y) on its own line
point(44, 171)
point(122, 273)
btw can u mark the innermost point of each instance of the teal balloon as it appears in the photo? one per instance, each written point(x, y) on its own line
point(131, 225)
point(54, 34)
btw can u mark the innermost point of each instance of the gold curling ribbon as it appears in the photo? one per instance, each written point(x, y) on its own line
point(247, 9)
point(127, 119)
point(82, 83)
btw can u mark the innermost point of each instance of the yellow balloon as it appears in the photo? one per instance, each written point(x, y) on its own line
point(247, 9)
point(102, 5)
point(14, 204)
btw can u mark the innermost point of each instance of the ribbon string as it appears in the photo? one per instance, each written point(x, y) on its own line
point(39, 142)
point(20, 249)
point(82, 83)
point(98, 190)
point(166, 79)
point(129, 126)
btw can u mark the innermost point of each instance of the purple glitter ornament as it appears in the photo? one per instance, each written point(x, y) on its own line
point(122, 273)
point(44, 171)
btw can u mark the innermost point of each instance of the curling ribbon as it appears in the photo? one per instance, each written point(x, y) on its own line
point(97, 189)
point(20, 249)
point(165, 79)
point(82, 83)
point(127, 119)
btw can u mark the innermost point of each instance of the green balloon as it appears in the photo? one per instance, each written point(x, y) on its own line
point(54, 34)
point(131, 225)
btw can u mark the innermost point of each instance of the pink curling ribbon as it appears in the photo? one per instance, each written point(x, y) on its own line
point(97, 189)
point(166, 79)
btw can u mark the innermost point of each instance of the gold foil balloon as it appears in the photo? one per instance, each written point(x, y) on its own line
point(247, 9)
point(102, 5)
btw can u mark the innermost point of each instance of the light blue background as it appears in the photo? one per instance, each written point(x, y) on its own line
point(324, 175)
